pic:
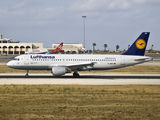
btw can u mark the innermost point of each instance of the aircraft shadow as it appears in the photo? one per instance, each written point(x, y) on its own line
point(82, 77)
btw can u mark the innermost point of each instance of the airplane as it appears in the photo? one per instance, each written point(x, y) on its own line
point(60, 64)
point(46, 51)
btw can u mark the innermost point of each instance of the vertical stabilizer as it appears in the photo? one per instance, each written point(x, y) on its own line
point(60, 46)
point(139, 46)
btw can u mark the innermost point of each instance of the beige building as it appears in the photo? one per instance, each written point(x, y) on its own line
point(14, 47)
point(9, 47)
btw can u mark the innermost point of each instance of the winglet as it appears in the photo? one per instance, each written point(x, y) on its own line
point(139, 46)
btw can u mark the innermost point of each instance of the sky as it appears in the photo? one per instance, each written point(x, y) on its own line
point(111, 22)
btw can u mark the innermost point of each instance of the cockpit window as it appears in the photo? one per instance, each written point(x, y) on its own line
point(16, 59)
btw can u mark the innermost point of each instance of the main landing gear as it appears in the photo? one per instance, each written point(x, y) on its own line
point(76, 75)
point(27, 73)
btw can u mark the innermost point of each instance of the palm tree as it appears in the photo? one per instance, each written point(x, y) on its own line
point(152, 48)
point(94, 44)
point(117, 47)
point(105, 46)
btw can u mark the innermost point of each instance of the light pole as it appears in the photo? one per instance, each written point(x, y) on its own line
point(84, 28)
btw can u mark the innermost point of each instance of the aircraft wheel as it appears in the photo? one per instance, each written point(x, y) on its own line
point(76, 75)
point(26, 75)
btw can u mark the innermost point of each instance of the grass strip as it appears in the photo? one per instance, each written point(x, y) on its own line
point(79, 102)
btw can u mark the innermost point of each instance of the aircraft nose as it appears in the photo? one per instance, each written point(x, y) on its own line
point(10, 64)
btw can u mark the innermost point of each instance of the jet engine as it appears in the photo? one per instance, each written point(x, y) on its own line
point(57, 71)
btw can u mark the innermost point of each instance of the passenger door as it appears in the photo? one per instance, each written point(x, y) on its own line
point(122, 60)
point(26, 60)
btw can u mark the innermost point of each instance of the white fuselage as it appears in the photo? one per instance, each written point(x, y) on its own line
point(100, 62)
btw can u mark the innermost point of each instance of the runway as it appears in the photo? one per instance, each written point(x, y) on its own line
point(85, 79)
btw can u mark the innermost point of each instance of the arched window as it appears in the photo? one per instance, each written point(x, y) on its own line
point(22, 50)
point(4, 46)
point(27, 47)
point(4, 49)
point(16, 47)
point(10, 48)
point(73, 52)
point(22, 47)
point(4, 41)
point(16, 51)
point(67, 52)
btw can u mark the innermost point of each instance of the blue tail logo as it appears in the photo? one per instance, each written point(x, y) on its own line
point(139, 46)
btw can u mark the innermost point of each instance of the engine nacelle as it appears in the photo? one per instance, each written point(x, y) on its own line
point(57, 71)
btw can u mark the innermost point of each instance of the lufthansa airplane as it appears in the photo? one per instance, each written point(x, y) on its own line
point(60, 64)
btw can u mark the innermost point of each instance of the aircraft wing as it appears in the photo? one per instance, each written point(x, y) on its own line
point(80, 65)
point(77, 65)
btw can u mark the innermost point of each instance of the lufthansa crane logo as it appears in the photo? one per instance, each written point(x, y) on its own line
point(140, 44)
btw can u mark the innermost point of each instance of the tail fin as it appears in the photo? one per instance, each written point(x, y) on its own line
point(60, 46)
point(139, 46)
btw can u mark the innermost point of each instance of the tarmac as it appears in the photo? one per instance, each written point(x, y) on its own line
point(85, 79)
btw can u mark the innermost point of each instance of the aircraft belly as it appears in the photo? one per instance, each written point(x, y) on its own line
point(41, 68)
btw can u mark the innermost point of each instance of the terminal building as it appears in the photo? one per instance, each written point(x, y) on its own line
point(9, 47)
point(15, 47)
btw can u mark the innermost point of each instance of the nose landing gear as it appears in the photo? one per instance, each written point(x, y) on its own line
point(27, 73)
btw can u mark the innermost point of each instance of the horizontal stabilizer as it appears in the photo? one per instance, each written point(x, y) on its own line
point(143, 59)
